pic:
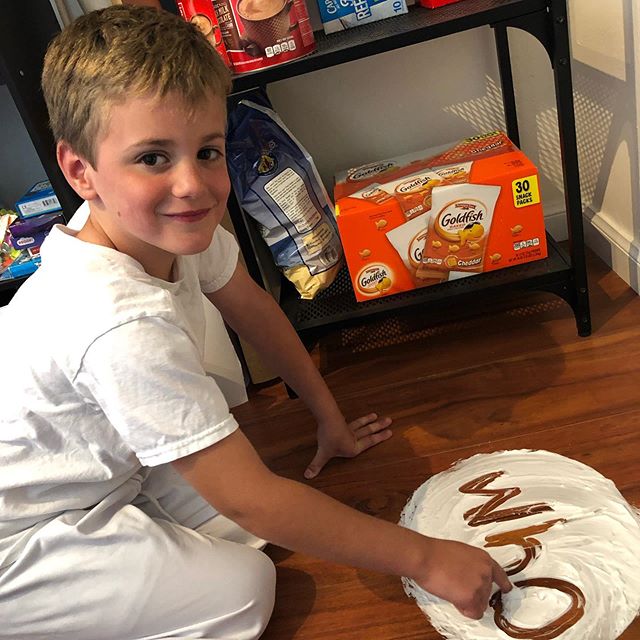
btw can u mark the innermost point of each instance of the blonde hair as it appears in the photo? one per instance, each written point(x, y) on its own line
point(124, 51)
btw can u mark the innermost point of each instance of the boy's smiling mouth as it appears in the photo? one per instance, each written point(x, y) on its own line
point(188, 216)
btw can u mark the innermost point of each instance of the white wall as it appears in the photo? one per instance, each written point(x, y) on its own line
point(606, 66)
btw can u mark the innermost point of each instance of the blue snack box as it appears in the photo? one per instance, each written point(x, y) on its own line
point(38, 200)
point(21, 268)
point(338, 15)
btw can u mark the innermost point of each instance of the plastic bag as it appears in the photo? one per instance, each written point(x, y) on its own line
point(278, 185)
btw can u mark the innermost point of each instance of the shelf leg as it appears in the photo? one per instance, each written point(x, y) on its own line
point(561, 62)
point(506, 82)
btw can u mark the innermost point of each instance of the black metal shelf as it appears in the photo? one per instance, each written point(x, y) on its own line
point(418, 25)
point(12, 285)
point(561, 273)
point(336, 306)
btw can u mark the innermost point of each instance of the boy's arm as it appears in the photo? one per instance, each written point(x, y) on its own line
point(231, 476)
point(254, 315)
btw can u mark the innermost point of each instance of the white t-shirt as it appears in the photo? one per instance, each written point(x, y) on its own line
point(103, 372)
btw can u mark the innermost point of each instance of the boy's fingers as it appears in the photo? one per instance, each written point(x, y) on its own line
point(316, 465)
point(366, 442)
point(362, 421)
point(501, 578)
point(372, 426)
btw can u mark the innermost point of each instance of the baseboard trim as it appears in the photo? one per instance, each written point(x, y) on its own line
point(615, 247)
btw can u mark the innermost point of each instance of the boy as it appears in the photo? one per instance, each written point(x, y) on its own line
point(100, 537)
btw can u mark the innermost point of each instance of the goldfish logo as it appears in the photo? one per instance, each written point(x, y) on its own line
point(447, 172)
point(417, 183)
point(374, 279)
point(416, 247)
point(462, 220)
point(367, 171)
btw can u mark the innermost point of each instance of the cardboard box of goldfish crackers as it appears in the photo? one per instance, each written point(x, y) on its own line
point(438, 215)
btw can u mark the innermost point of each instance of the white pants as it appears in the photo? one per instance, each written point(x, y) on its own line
point(134, 568)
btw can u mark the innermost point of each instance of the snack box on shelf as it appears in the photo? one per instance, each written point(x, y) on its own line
point(30, 233)
point(338, 15)
point(440, 214)
point(38, 200)
point(21, 267)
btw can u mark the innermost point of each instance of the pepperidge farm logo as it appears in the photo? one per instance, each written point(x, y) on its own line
point(374, 279)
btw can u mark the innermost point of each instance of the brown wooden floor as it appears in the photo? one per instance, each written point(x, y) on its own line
point(516, 377)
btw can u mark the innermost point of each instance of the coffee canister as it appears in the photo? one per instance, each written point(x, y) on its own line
point(202, 14)
point(264, 33)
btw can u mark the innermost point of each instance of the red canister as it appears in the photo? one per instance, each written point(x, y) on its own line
point(203, 15)
point(264, 33)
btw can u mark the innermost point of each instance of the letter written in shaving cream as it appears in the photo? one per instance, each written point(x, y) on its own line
point(522, 538)
point(488, 513)
point(554, 628)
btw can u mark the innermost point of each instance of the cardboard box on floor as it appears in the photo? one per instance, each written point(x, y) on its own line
point(440, 214)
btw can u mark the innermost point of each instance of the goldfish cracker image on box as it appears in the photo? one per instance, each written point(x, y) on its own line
point(376, 269)
point(413, 192)
point(409, 241)
point(459, 225)
point(264, 33)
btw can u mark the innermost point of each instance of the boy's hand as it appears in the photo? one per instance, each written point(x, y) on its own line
point(336, 438)
point(463, 575)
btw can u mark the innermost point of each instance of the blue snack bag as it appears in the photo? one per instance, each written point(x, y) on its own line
point(278, 185)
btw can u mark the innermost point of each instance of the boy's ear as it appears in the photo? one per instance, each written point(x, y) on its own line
point(77, 170)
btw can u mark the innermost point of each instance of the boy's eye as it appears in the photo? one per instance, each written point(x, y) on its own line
point(208, 154)
point(152, 159)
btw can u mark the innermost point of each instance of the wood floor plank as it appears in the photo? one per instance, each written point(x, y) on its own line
point(517, 376)
point(509, 397)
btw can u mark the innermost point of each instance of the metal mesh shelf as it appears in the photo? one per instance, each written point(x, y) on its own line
point(337, 304)
point(12, 284)
point(418, 25)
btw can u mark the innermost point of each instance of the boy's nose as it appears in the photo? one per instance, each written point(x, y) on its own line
point(187, 181)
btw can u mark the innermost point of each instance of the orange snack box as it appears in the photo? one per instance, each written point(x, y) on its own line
point(439, 214)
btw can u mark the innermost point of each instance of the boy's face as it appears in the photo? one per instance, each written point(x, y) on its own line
point(160, 178)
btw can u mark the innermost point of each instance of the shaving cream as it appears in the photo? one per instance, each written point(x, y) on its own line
point(568, 540)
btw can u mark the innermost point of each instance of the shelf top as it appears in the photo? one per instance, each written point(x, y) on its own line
point(418, 25)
